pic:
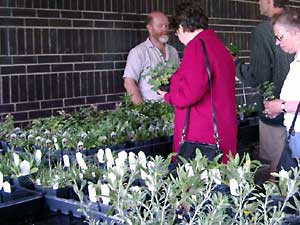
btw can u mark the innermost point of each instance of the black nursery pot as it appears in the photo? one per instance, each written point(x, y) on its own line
point(165, 88)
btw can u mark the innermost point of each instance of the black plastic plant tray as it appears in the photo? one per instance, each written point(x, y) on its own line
point(68, 206)
point(19, 203)
point(152, 149)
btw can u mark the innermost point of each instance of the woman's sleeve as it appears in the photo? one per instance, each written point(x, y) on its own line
point(190, 82)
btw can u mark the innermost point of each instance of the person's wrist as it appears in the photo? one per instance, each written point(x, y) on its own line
point(282, 107)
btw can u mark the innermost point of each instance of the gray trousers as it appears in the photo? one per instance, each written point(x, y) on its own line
point(271, 143)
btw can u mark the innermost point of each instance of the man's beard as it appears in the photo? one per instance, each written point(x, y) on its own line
point(163, 39)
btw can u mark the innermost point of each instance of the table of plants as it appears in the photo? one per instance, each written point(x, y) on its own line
point(115, 168)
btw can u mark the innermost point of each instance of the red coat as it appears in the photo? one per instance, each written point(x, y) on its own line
point(189, 87)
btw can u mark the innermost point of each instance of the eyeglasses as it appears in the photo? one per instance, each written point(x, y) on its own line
point(280, 37)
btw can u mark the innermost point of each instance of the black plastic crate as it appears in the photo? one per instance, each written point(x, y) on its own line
point(70, 207)
point(18, 204)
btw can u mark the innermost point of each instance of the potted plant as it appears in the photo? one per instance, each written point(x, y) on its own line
point(159, 76)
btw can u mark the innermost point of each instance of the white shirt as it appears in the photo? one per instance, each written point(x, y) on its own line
point(141, 59)
point(290, 91)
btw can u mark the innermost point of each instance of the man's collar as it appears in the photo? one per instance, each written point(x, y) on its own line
point(149, 44)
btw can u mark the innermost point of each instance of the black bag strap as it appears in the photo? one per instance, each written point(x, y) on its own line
point(291, 130)
point(216, 135)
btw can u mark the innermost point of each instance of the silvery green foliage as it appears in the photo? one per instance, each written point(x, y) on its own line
point(197, 192)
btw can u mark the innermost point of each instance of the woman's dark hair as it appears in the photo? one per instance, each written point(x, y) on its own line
point(190, 15)
point(280, 3)
point(287, 18)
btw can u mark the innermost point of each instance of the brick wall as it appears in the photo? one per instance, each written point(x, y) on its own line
point(64, 54)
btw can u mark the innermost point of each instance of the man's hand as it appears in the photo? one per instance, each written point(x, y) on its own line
point(161, 93)
point(133, 90)
point(272, 108)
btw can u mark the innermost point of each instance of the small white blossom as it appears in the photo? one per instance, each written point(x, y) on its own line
point(1, 181)
point(132, 161)
point(120, 166)
point(13, 136)
point(80, 161)
point(66, 161)
point(105, 194)
point(122, 155)
point(112, 177)
point(80, 145)
point(216, 176)
point(92, 193)
point(204, 176)
point(38, 181)
point(16, 159)
point(100, 155)
point(142, 159)
point(234, 187)
point(6, 187)
point(25, 167)
point(38, 156)
point(189, 169)
point(109, 158)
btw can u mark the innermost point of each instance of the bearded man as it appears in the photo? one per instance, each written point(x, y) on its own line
point(147, 55)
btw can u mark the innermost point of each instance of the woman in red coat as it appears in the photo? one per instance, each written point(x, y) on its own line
point(189, 84)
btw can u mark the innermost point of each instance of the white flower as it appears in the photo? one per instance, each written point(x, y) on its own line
point(189, 169)
point(120, 166)
point(216, 175)
point(234, 187)
point(113, 134)
point(135, 189)
point(1, 181)
point(142, 159)
point(80, 161)
point(109, 158)
point(6, 187)
point(65, 134)
point(13, 136)
point(284, 174)
point(292, 188)
point(64, 141)
point(122, 155)
point(100, 155)
point(83, 135)
point(55, 186)
point(38, 156)
point(38, 181)
point(151, 165)
point(25, 168)
point(241, 172)
point(55, 142)
point(66, 161)
point(105, 193)
point(92, 193)
point(80, 145)
point(148, 180)
point(30, 137)
point(16, 159)
point(80, 176)
point(132, 161)
point(48, 142)
point(204, 176)
point(112, 177)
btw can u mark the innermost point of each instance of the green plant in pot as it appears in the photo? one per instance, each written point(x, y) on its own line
point(266, 89)
point(159, 76)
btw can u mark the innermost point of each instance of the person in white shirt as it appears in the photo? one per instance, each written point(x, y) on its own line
point(286, 28)
point(147, 55)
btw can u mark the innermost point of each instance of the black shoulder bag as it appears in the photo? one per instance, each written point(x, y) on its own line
point(187, 149)
point(286, 160)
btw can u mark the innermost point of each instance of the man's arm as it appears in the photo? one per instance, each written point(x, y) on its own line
point(133, 90)
point(260, 68)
